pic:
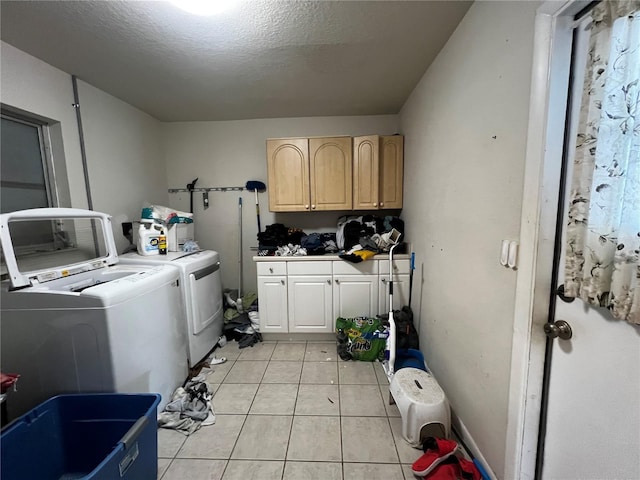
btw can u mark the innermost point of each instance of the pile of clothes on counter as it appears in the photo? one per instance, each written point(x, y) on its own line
point(279, 240)
point(361, 237)
point(364, 233)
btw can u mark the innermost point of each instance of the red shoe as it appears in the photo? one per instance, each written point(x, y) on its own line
point(437, 450)
point(469, 469)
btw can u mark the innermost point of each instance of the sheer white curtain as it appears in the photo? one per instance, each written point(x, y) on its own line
point(603, 234)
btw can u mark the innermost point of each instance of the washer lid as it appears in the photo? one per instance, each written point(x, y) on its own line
point(43, 244)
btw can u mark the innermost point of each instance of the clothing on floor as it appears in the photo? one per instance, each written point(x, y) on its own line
point(189, 409)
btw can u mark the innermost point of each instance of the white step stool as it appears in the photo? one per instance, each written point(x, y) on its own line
point(421, 402)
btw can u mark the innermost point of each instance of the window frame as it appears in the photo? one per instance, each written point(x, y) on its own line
point(45, 148)
point(56, 181)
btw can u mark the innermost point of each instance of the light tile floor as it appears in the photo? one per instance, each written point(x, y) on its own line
point(292, 411)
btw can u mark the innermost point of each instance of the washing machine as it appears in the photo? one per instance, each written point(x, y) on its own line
point(201, 289)
point(75, 321)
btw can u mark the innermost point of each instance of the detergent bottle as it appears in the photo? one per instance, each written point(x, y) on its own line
point(148, 239)
point(162, 243)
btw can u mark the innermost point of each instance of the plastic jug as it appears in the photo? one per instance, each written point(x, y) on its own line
point(162, 243)
point(148, 239)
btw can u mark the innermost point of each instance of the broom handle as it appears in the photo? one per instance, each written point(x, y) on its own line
point(240, 250)
point(257, 210)
point(391, 339)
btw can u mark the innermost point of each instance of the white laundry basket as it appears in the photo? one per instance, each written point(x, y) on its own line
point(422, 403)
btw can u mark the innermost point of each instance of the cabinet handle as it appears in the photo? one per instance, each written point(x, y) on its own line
point(282, 282)
point(384, 280)
point(337, 282)
point(313, 207)
point(375, 204)
point(306, 207)
point(329, 282)
point(270, 270)
point(382, 204)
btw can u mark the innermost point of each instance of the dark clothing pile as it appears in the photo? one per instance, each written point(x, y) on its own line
point(239, 329)
point(240, 318)
point(319, 243)
point(279, 235)
point(352, 229)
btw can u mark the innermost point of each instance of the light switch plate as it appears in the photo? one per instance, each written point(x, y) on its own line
point(513, 255)
point(504, 253)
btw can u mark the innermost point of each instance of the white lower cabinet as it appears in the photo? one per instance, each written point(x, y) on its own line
point(400, 292)
point(401, 270)
point(272, 297)
point(355, 289)
point(355, 295)
point(272, 302)
point(310, 301)
point(307, 296)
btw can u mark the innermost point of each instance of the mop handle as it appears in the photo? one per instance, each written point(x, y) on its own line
point(240, 249)
point(391, 339)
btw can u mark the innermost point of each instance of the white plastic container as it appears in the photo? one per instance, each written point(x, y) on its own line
point(148, 238)
point(177, 235)
point(423, 406)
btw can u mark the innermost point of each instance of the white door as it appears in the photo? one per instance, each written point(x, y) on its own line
point(310, 304)
point(593, 404)
point(355, 296)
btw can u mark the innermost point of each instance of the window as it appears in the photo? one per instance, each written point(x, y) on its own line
point(23, 169)
point(32, 174)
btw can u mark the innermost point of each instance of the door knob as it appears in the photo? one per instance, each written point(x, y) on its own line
point(559, 329)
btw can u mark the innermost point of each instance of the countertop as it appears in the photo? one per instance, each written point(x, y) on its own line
point(302, 258)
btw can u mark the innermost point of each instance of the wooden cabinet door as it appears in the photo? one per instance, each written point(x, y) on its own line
point(366, 174)
point(330, 163)
point(310, 300)
point(272, 292)
point(391, 171)
point(288, 175)
point(355, 296)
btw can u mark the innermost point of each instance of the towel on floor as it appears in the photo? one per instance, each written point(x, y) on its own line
point(189, 409)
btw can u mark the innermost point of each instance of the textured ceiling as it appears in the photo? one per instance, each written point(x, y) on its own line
point(261, 59)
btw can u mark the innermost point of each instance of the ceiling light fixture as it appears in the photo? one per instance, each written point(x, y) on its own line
point(203, 7)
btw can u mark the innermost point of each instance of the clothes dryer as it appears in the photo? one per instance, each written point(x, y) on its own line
point(201, 289)
point(74, 321)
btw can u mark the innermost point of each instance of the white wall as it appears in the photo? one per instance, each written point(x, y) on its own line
point(465, 131)
point(124, 158)
point(122, 143)
point(32, 85)
point(231, 153)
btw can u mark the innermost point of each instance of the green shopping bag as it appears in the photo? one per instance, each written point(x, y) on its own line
point(361, 338)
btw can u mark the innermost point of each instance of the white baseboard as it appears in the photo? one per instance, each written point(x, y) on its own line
point(465, 437)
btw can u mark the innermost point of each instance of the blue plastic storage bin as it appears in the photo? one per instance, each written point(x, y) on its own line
point(409, 357)
point(95, 436)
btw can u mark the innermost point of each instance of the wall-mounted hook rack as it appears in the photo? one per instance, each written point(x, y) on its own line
point(207, 189)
